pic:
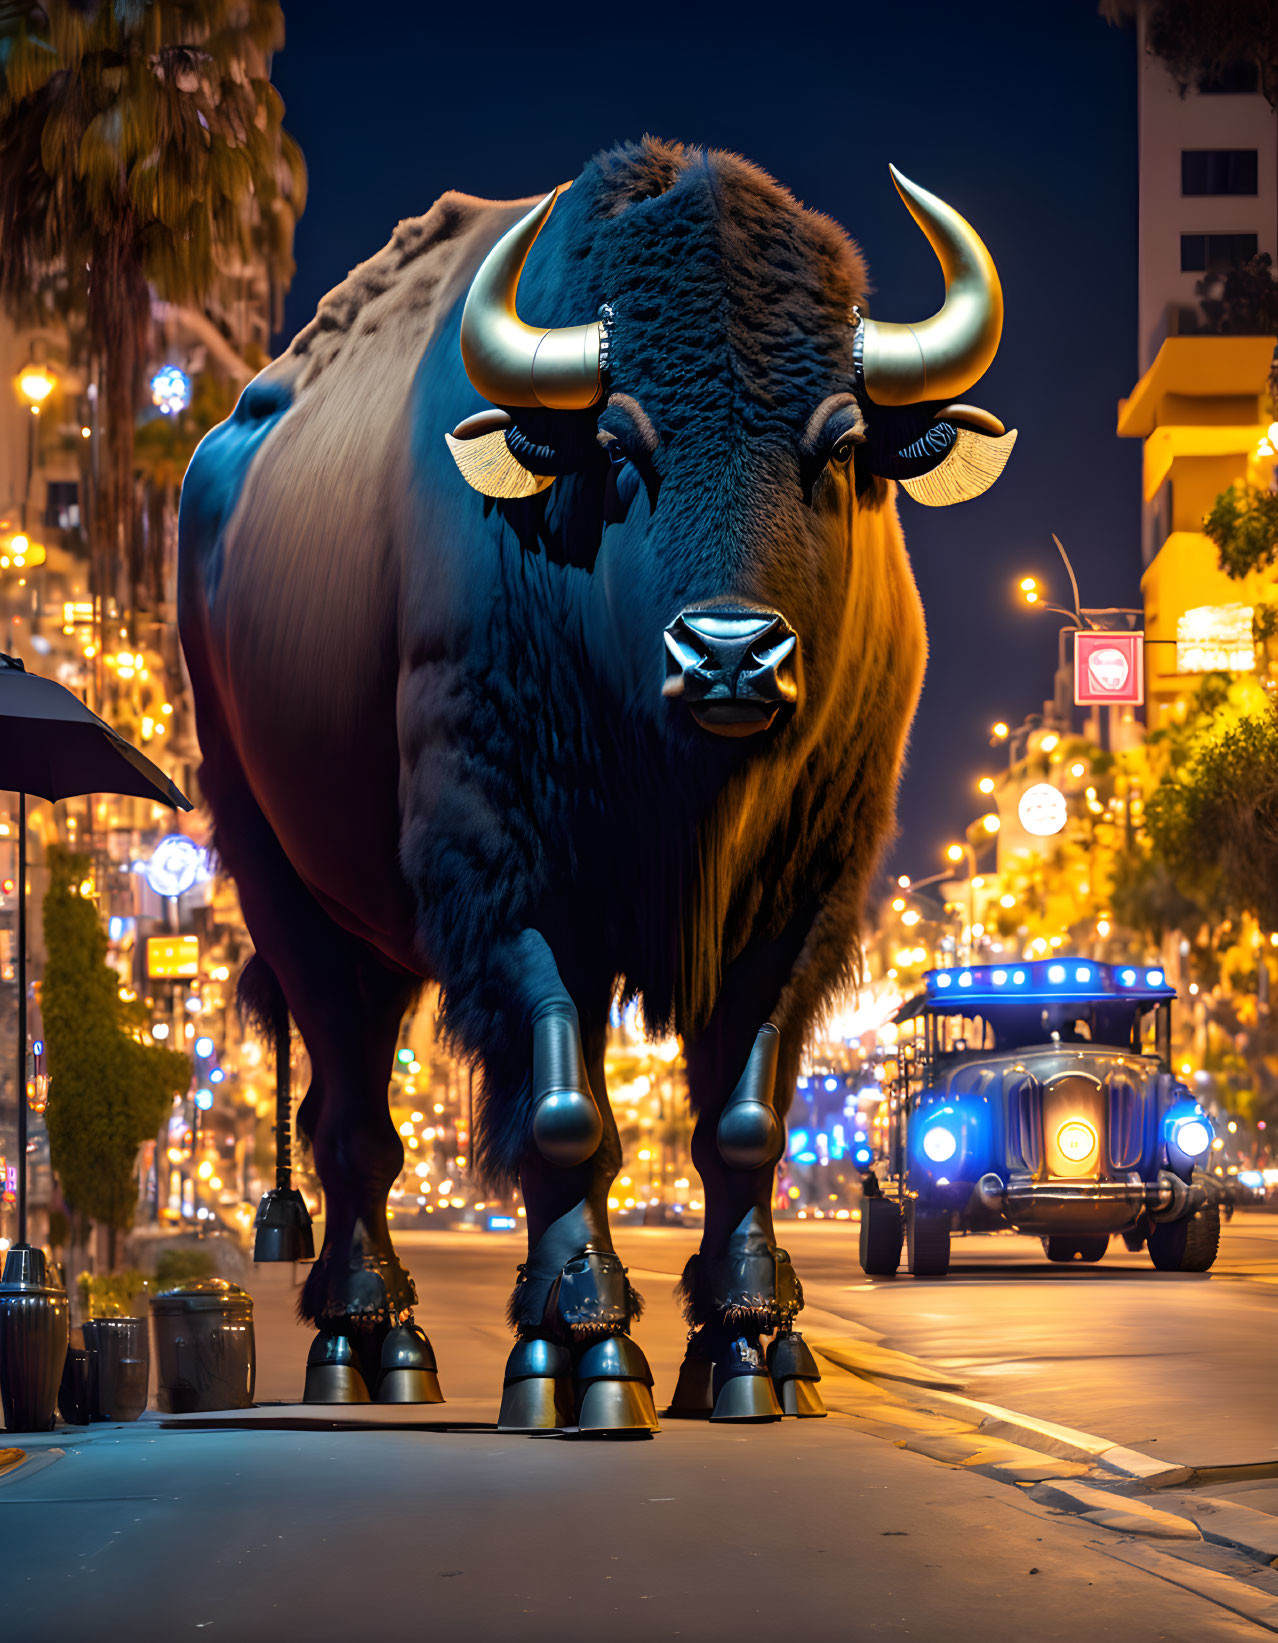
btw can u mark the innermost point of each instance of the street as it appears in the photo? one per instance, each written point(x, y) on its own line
point(294, 1521)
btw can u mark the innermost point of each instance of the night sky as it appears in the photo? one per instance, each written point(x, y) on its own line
point(1023, 116)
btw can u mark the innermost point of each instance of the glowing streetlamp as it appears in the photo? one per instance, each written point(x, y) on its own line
point(35, 382)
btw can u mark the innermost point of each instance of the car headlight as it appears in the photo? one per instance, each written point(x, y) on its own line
point(1192, 1136)
point(940, 1143)
point(1076, 1140)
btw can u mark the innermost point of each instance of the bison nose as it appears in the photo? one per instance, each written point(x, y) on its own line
point(734, 668)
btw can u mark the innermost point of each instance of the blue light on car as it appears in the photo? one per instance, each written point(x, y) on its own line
point(965, 979)
point(1018, 978)
point(1056, 972)
point(1082, 973)
point(502, 1223)
point(999, 977)
point(831, 1083)
point(940, 1143)
point(1192, 1136)
point(942, 981)
point(1153, 978)
point(1127, 977)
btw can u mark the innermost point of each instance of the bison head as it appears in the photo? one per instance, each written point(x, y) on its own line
point(729, 407)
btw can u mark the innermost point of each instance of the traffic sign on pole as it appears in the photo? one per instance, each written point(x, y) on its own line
point(1109, 668)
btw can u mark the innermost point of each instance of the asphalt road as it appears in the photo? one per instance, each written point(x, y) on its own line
point(1179, 1366)
point(341, 1524)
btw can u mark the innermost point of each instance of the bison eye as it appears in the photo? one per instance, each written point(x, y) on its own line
point(843, 449)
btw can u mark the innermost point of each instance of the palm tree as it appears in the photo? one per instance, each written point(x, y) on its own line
point(141, 153)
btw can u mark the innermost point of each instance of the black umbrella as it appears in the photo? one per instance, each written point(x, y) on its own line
point(51, 745)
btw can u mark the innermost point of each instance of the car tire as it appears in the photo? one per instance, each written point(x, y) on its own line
point(1060, 1247)
point(882, 1234)
point(927, 1241)
point(1134, 1238)
point(1188, 1245)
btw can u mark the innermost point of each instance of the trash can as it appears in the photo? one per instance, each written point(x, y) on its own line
point(204, 1348)
point(119, 1367)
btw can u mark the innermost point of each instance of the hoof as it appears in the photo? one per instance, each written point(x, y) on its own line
point(408, 1368)
point(747, 1398)
point(617, 1407)
point(613, 1387)
point(794, 1376)
point(742, 1385)
point(333, 1373)
point(537, 1394)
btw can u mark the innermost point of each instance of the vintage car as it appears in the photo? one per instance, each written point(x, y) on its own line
point(1039, 1096)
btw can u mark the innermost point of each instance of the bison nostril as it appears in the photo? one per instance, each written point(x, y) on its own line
point(733, 668)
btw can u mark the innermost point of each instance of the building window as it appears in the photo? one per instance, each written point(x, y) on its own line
point(1215, 638)
point(1210, 253)
point(1218, 171)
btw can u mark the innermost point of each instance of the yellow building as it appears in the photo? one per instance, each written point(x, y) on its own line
point(1202, 410)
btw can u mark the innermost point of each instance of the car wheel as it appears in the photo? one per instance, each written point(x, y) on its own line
point(927, 1239)
point(1189, 1245)
point(1059, 1247)
point(1134, 1238)
point(882, 1234)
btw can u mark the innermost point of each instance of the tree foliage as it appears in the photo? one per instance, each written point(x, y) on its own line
point(1202, 40)
point(141, 146)
point(107, 1091)
point(1243, 523)
point(1213, 821)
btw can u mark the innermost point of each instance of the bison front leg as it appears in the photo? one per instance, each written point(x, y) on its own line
point(740, 1286)
point(573, 1363)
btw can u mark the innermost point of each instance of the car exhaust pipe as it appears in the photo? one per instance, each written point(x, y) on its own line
point(992, 1193)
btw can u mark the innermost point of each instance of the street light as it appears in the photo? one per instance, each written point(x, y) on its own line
point(35, 383)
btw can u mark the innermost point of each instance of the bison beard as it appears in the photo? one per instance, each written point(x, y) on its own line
point(436, 747)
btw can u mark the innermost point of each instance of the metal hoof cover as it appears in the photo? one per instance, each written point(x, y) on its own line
point(747, 1398)
point(617, 1407)
point(537, 1394)
point(333, 1373)
point(794, 1377)
point(408, 1368)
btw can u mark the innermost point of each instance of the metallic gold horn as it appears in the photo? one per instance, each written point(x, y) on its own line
point(941, 357)
point(511, 363)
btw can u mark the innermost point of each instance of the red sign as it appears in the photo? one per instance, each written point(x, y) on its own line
point(1108, 668)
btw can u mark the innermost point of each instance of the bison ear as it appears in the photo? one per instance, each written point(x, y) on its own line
point(485, 463)
point(970, 466)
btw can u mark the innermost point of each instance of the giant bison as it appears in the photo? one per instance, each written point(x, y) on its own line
point(553, 639)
